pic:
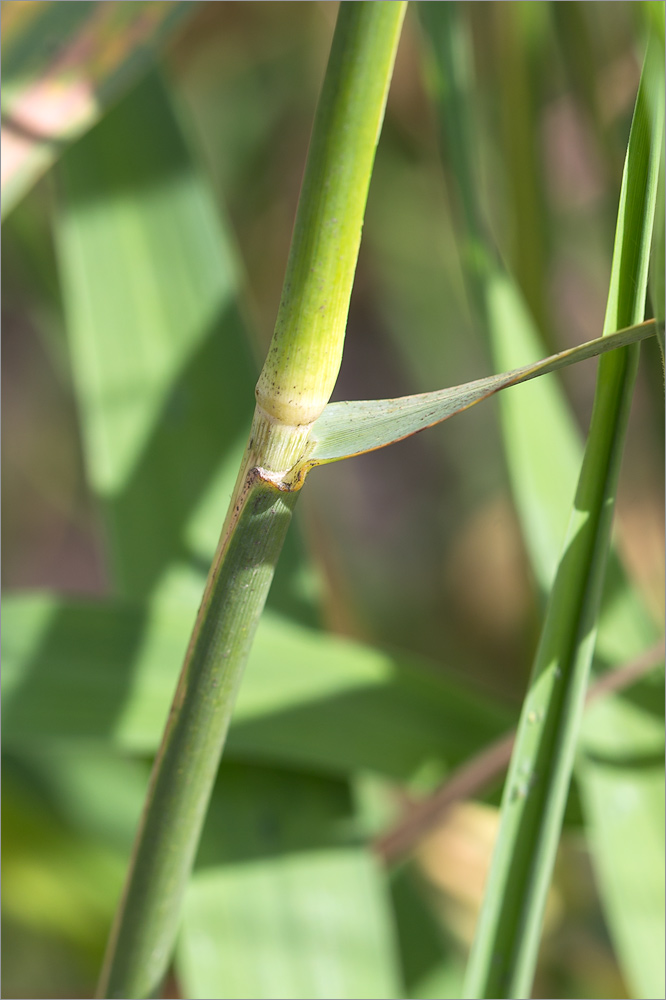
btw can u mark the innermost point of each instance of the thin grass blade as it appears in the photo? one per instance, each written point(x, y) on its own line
point(620, 760)
point(352, 428)
point(620, 775)
point(506, 944)
point(543, 457)
point(658, 262)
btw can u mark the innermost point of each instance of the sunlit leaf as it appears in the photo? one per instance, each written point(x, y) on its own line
point(283, 903)
point(507, 938)
point(162, 364)
point(107, 671)
point(351, 428)
point(162, 367)
point(62, 65)
point(620, 772)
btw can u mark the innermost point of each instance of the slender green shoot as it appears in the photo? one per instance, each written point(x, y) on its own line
point(505, 949)
point(543, 455)
point(293, 389)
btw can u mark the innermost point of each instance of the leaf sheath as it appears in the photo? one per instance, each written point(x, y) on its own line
point(299, 373)
point(147, 921)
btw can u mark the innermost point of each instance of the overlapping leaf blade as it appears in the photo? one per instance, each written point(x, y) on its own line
point(162, 367)
point(506, 944)
point(543, 455)
point(283, 903)
point(62, 65)
point(106, 672)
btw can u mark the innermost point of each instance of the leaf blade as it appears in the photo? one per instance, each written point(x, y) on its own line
point(282, 903)
point(62, 65)
point(301, 688)
point(158, 344)
point(543, 458)
point(505, 948)
point(347, 429)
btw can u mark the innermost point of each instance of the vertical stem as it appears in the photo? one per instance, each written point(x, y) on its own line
point(294, 387)
point(184, 771)
point(505, 948)
point(304, 357)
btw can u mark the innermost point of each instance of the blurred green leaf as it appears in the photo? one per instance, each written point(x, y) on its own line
point(95, 790)
point(107, 672)
point(56, 880)
point(539, 431)
point(162, 364)
point(432, 966)
point(162, 368)
point(620, 772)
point(63, 64)
point(521, 43)
point(283, 903)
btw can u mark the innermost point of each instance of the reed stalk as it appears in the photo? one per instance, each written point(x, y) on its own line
point(293, 389)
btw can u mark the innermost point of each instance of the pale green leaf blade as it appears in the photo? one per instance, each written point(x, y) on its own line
point(543, 449)
point(432, 966)
point(543, 456)
point(282, 902)
point(106, 673)
point(620, 771)
point(352, 428)
point(162, 367)
point(63, 64)
point(542, 443)
point(56, 879)
point(620, 763)
point(658, 263)
point(506, 943)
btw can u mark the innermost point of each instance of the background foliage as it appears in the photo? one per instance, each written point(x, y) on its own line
point(141, 280)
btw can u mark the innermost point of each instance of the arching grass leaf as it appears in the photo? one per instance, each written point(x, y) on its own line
point(352, 428)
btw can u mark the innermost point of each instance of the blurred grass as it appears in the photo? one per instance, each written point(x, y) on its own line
point(63, 65)
point(506, 942)
point(441, 571)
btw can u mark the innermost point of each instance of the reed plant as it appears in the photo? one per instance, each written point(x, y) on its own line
point(161, 374)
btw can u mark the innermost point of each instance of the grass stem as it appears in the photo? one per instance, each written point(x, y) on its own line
point(295, 385)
